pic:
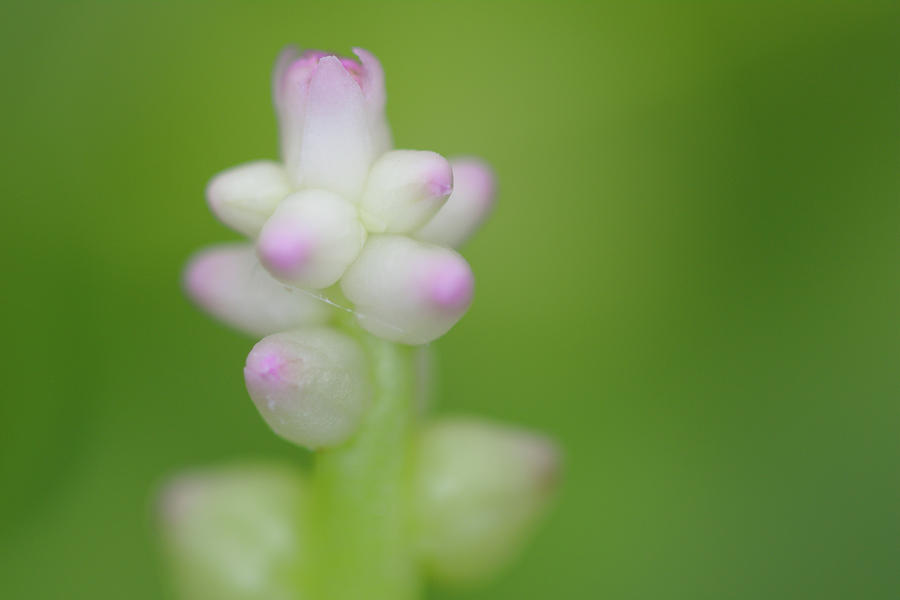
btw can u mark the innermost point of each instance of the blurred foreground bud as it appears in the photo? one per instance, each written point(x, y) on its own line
point(469, 204)
point(310, 385)
point(405, 188)
point(243, 197)
point(311, 239)
point(407, 291)
point(480, 488)
point(234, 533)
point(228, 282)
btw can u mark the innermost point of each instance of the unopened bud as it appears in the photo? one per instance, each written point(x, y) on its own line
point(228, 282)
point(480, 488)
point(310, 385)
point(405, 188)
point(468, 206)
point(244, 197)
point(407, 291)
point(234, 533)
point(311, 239)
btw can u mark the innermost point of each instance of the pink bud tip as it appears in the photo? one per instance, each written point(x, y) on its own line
point(305, 65)
point(284, 249)
point(441, 183)
point(264, 365)
point(450, 284)
point(354, 68)
point(313, 55)
point(299, 72)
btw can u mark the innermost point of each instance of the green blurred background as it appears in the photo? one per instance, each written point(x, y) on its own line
point(691, 279)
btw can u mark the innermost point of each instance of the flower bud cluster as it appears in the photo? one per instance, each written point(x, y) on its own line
point(341, 215)
point(344, 218)
point(343, 212)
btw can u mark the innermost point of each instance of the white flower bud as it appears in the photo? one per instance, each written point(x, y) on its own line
point(479, 490)
point(311, 239)
point(331, 117)
point(310, 385)
point(405, 188)
point(234, 533)
point(338, 143)
point(469, 204)
point(228, 282)
point(407, 291)
point(243, 197)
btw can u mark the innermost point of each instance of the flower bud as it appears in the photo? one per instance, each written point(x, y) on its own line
point(405, 188)
point(331, 118)
point(479, 490)
point(469, 204)
point(407, 291)
point(228, 282)
point(234, 533)
point(310, 385)
point(311, 239)
point(243, 197)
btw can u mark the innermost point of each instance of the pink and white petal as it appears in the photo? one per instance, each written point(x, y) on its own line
point(290, 104)
point(372, 79)
point(245, 196)
point(474, 189)
point(228, 282)
point(337, 144)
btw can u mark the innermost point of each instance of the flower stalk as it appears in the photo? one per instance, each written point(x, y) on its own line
point(362, 531)
point(351, 263)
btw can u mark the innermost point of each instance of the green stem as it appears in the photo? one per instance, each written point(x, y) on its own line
point(361, 523)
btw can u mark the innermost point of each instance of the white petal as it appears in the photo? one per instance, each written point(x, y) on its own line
point(405, 188)
point(372, 82)
point(373, 88)
point(227, 281)
point(243, 197)
point(479, 489)
point(468, 206)
point(337, 144)
point(290, 84)
point(311, 239)
point(311, 386)
point(407, 291)
point(235, 533)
